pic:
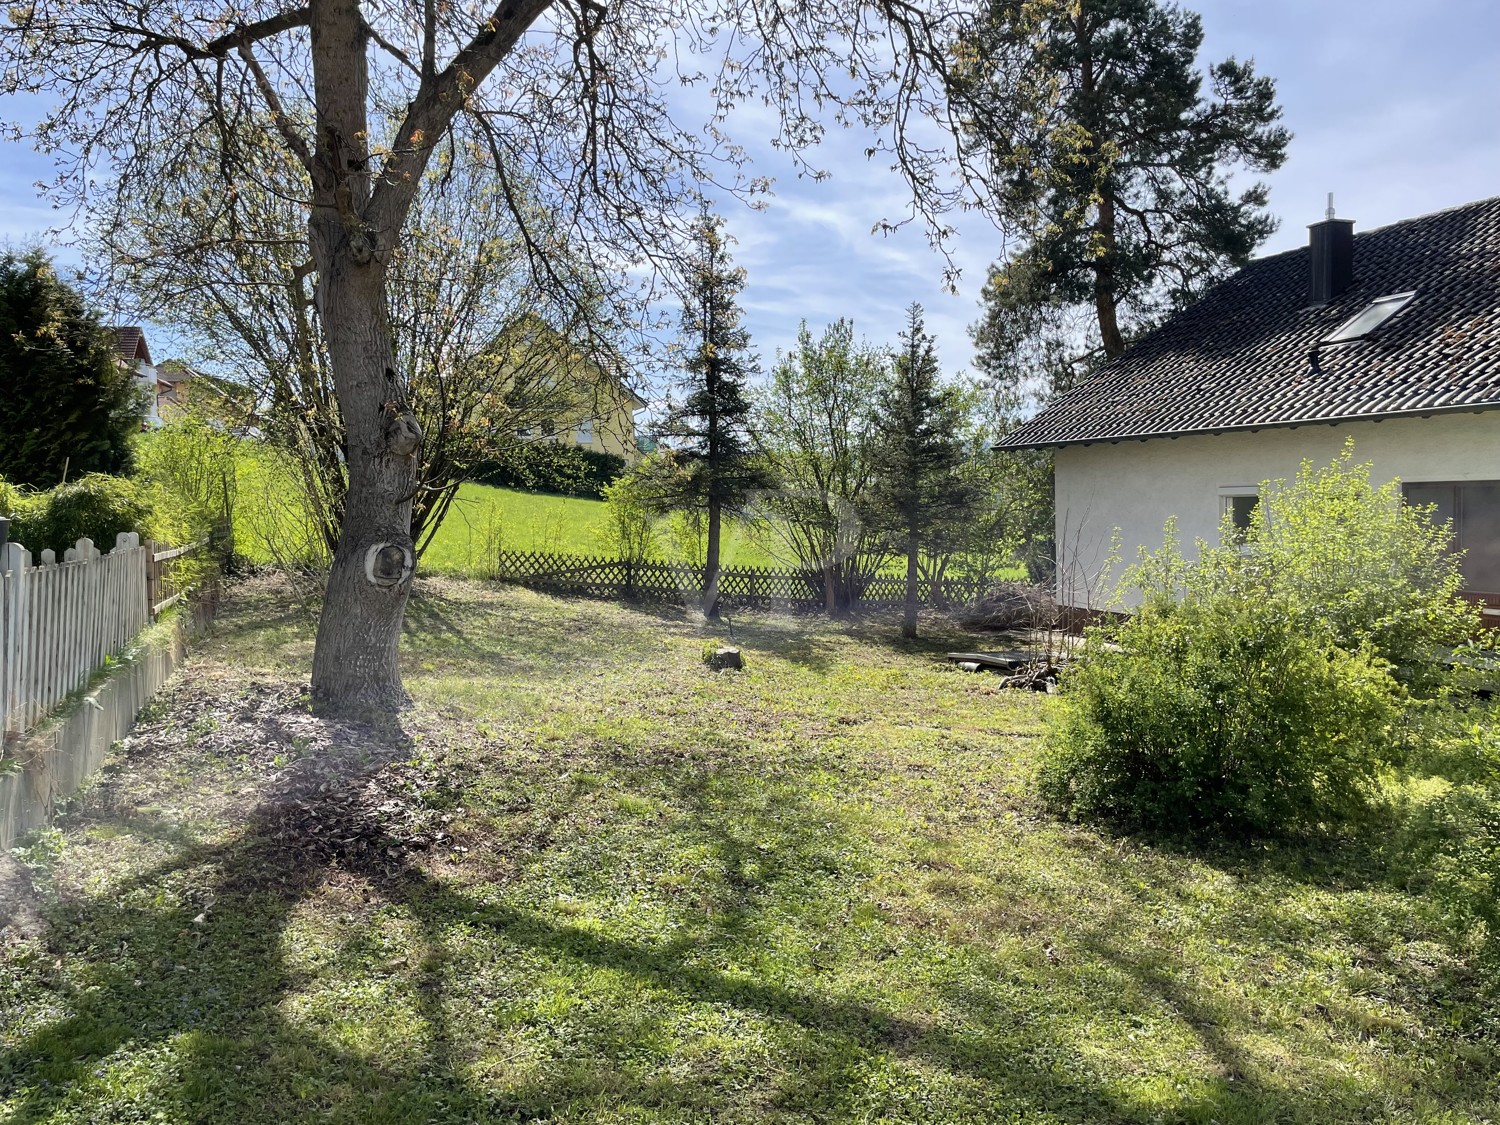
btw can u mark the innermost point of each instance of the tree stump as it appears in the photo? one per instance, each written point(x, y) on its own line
point(723, 657)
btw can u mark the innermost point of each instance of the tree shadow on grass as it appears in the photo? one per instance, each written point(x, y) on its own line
point(191, 1001)
point(183, 1001)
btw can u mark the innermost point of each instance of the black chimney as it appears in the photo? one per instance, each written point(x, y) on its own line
point(1331, 254)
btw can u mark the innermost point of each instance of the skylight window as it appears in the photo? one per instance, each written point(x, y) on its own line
point(1369, 318)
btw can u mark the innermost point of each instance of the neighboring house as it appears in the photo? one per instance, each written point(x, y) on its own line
point(1390, 337)
point(165, 384)
point(133, 353)
point(567, 397)
point(603, 421)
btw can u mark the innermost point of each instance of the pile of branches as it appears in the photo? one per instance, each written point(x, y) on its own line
point(1009, 606)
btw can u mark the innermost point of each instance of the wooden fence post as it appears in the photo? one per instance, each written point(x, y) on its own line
point(17, 562)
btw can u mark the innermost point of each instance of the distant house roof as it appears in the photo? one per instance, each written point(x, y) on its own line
point(1254, 353)
point(130, 344)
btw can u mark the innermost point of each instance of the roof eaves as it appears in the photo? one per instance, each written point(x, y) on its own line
point(1251, 427)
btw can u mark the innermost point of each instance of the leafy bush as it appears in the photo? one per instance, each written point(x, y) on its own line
point(96, 507)
point(13, 500)
point(1263, 687)
point(546, 466)
point(193, 463)
point(1219, 713)
point(629, 531)
point(1355, 562)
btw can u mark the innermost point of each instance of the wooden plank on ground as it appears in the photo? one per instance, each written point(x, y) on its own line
point(1009, 660)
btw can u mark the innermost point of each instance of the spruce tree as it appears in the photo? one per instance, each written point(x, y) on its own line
point(69, 406)
point(1110, 160)
point(707, 430)
point(920, 492)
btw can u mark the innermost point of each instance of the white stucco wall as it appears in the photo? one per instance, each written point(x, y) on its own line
point(1134, 486)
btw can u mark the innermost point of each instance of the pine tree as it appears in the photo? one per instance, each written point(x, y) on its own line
point(1110, 160)
point(920, 492)
point(707, 432)
point(68, 405)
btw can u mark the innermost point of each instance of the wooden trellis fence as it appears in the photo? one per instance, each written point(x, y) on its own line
point(746, 587)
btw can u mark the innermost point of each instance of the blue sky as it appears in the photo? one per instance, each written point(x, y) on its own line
point(1393, 106)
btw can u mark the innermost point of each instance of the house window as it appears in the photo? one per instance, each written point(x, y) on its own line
point(584, 434)
point(1236, 505)
point(1473, 510)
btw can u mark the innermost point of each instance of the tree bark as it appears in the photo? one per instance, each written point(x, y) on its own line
point(355, 663)
point(1105, 300)
point(711, 559)
point(909, 619)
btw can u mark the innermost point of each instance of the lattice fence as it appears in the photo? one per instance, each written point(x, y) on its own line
point(743, 587)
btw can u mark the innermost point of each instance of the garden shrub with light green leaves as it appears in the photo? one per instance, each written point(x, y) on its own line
point(97, 507)
point(1264, 687)
point(1353, 561)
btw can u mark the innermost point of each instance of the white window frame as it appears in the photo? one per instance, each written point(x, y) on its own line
point(583, 433)
point(1229, 493)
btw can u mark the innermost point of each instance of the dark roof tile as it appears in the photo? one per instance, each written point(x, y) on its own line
point(1240, 358)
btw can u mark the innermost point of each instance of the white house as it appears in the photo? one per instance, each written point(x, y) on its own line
point(1390, 337)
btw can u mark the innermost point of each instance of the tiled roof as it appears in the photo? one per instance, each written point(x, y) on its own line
point(1241, 358)
point(130, 343)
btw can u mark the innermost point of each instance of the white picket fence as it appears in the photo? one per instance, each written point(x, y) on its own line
point(59, 620)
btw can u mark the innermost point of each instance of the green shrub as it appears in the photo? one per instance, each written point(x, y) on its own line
point(629, 530)
point(548, 466)
point(1265, 686)
point(13, 502)
point(96, 507)
point(1219, 714)
point(192, 464)
point(1355, 562)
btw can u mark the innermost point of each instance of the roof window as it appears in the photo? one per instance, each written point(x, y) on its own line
point(1369, 318)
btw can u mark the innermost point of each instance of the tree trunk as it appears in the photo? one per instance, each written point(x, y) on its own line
point(1105, 300)
point(909, 620)
point(711, 560)
point(355, 665)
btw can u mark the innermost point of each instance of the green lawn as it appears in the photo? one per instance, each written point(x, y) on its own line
point(483, 518)
point(588, 880)
point(481, 522)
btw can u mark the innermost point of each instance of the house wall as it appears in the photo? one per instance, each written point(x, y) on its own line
point(146, 379)
point(614, 430)
point(1134, 486)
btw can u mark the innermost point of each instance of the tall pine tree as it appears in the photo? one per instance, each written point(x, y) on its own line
point(1110, 159)
point(707, 431)
point(920, 492)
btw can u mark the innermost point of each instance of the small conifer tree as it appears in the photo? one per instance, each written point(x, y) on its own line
point(707, 432)
point(920, 492)
point(69, 407)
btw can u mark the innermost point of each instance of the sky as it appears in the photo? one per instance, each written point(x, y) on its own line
point(1394, 107)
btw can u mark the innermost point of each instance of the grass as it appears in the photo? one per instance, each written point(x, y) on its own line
point(485, 519)
point(588, 880)
point(481, 522)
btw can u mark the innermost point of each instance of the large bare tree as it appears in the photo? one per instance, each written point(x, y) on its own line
point(482, 353)
point(566, 100)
